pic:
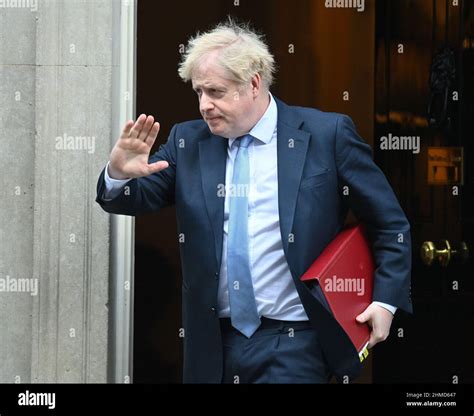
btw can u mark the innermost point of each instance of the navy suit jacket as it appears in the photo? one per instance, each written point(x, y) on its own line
point(324, 168)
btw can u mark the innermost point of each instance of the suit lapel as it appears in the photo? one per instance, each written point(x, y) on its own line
point(212, 159)
point(292, 146)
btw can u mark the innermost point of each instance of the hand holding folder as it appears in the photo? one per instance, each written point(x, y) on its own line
point(341, 278)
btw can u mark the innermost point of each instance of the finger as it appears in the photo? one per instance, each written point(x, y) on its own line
point(157, 166)
point(363, 317)
point(146, 128)
point(152, 134)
point(127, 128)
point(137, 127)
point(382, 336)
point(373, 340)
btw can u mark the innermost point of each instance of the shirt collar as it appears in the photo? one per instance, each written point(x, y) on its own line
point(266, 126)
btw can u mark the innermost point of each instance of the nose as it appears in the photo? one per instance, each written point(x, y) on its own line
point(205, 104)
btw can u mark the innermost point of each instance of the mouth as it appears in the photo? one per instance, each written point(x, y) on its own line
point(211, 119)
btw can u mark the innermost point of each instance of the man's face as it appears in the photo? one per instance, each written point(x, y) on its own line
point(227, 107)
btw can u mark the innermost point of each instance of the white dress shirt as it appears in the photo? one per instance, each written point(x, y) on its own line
point(275, 291)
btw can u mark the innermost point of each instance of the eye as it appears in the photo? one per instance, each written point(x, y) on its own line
point(216, 92)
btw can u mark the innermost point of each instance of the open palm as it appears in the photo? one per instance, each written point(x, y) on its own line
point(129, 157)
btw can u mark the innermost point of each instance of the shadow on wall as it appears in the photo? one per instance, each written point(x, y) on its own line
point(157, 346)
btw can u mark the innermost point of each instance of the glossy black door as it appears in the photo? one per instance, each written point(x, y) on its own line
point(436, 344)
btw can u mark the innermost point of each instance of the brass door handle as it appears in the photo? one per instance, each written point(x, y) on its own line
point(429, 252)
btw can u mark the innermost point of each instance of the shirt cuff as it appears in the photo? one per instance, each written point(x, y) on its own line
point(390, 308)
point(113, 187)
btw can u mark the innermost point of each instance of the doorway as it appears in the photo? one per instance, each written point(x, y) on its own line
point(436, 343)
point(326, 59)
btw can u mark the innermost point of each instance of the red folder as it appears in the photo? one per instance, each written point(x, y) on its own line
point(342, 279)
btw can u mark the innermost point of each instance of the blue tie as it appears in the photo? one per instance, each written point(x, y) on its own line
point(243, 309)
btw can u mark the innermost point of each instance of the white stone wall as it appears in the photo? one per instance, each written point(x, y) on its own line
point(57, 80)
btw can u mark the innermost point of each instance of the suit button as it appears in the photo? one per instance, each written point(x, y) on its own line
point(213, 310)
point(216, 274)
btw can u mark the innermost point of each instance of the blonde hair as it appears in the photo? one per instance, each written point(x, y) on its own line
point(243, 53)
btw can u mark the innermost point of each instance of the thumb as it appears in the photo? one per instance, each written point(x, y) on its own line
point(157, 166)
point(363, 317)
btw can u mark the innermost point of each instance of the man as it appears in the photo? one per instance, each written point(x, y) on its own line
point(260, 189)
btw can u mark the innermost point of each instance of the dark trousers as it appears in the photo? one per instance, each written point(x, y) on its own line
point(279, 352)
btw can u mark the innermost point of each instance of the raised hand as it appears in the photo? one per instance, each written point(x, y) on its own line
point(129, 157)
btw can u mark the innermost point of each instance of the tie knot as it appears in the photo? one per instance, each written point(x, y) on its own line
point(244, 141)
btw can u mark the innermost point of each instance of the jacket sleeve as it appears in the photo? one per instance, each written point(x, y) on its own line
point(366, 191)
point(149, 193)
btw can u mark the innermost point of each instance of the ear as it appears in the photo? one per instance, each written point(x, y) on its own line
point(256, 85)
